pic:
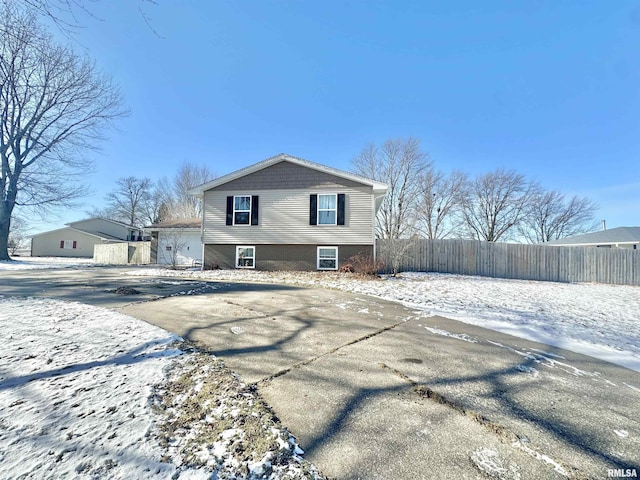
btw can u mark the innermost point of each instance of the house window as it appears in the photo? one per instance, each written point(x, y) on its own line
point(68, 244)
point(327, 258)
point(327, 209)
point(242, 210)
point(168, 248)
point(245, 257)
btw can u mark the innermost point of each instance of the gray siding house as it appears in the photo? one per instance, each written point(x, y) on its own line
point(77, 239)
point(286, 213)
point(620, 237)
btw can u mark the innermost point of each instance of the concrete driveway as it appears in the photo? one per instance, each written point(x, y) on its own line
point(373, 390)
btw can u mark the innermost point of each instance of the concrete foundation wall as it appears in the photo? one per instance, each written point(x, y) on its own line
point(280, 257)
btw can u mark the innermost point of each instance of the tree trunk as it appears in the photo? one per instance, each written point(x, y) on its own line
point(5, 226)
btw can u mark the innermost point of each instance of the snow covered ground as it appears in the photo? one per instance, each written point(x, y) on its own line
point(87, 392)
point(42, 263)
point(599, 320)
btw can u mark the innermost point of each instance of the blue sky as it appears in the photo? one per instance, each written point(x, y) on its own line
point(550, 89)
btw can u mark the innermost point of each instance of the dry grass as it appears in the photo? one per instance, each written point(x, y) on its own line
point(211, 418)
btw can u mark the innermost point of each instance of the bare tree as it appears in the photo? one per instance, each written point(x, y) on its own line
point(129, 202)
point(440, 202)
point(400, 164)
point(65, 14)
point(188, 176)
point(17, 235)
point(54, 106)
point(158, 203)
point(550, 216)
point(495, 203)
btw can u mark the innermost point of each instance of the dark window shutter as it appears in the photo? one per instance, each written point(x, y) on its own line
point(254, 210)
point(61, 243)
point(313, 210)
point(230, 210)
point(341, 202)
point(75, 244)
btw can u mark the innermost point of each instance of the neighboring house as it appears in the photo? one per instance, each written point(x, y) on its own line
point(286, 213)
point(620, 237)
point(176, 242)
point(77, 239)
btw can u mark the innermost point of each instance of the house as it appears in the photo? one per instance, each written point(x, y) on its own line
point(176, 242)
point(620, 237)
point(286, 213)
point(77, 239)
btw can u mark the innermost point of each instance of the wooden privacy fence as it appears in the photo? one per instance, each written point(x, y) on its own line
point(123, 253)
point(508, 260)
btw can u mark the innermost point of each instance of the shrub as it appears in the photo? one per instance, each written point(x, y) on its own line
point(362, 265)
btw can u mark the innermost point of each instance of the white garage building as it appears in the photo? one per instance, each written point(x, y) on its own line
point(176, 242)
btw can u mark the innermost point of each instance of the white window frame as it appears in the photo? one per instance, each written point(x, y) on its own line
point(238, 247)
point(326, 258)
point(334, 210)
point(242, 211)
point(68, 244)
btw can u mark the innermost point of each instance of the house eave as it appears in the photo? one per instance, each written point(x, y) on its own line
point(379, 188)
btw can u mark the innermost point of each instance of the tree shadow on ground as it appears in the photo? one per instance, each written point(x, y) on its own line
point(133, 356)
point(576, 436)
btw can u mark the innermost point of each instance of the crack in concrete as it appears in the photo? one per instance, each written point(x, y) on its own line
point(504, 434)
point(329, 352)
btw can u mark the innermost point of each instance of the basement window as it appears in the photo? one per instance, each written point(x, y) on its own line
point(327, 258)
point(246, 257)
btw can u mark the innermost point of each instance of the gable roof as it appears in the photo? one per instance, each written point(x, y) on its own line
point(101, 236)
point(619, 235)
point(379, 188)
point(177, 223)
point(74, 224)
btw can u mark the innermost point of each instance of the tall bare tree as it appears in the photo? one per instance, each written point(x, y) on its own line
point(495, 203)
point(400, 163)
point(54, 106)
point(189, 176)
point(550, 216)
point(130, 200)
point(440, 203)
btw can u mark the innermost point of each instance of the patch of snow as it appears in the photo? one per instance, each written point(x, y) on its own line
point(636, 389)
point(44, 263)
point(621, 433)
point(460, 336)
point(545, 458)
point(74, 385)
point(489, 462)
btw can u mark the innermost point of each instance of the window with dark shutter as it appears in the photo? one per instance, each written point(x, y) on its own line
point(341, 208)
point(230, 210)
point(313, 209)
point(61, 243)
point(75, 244)
point(254, 210)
